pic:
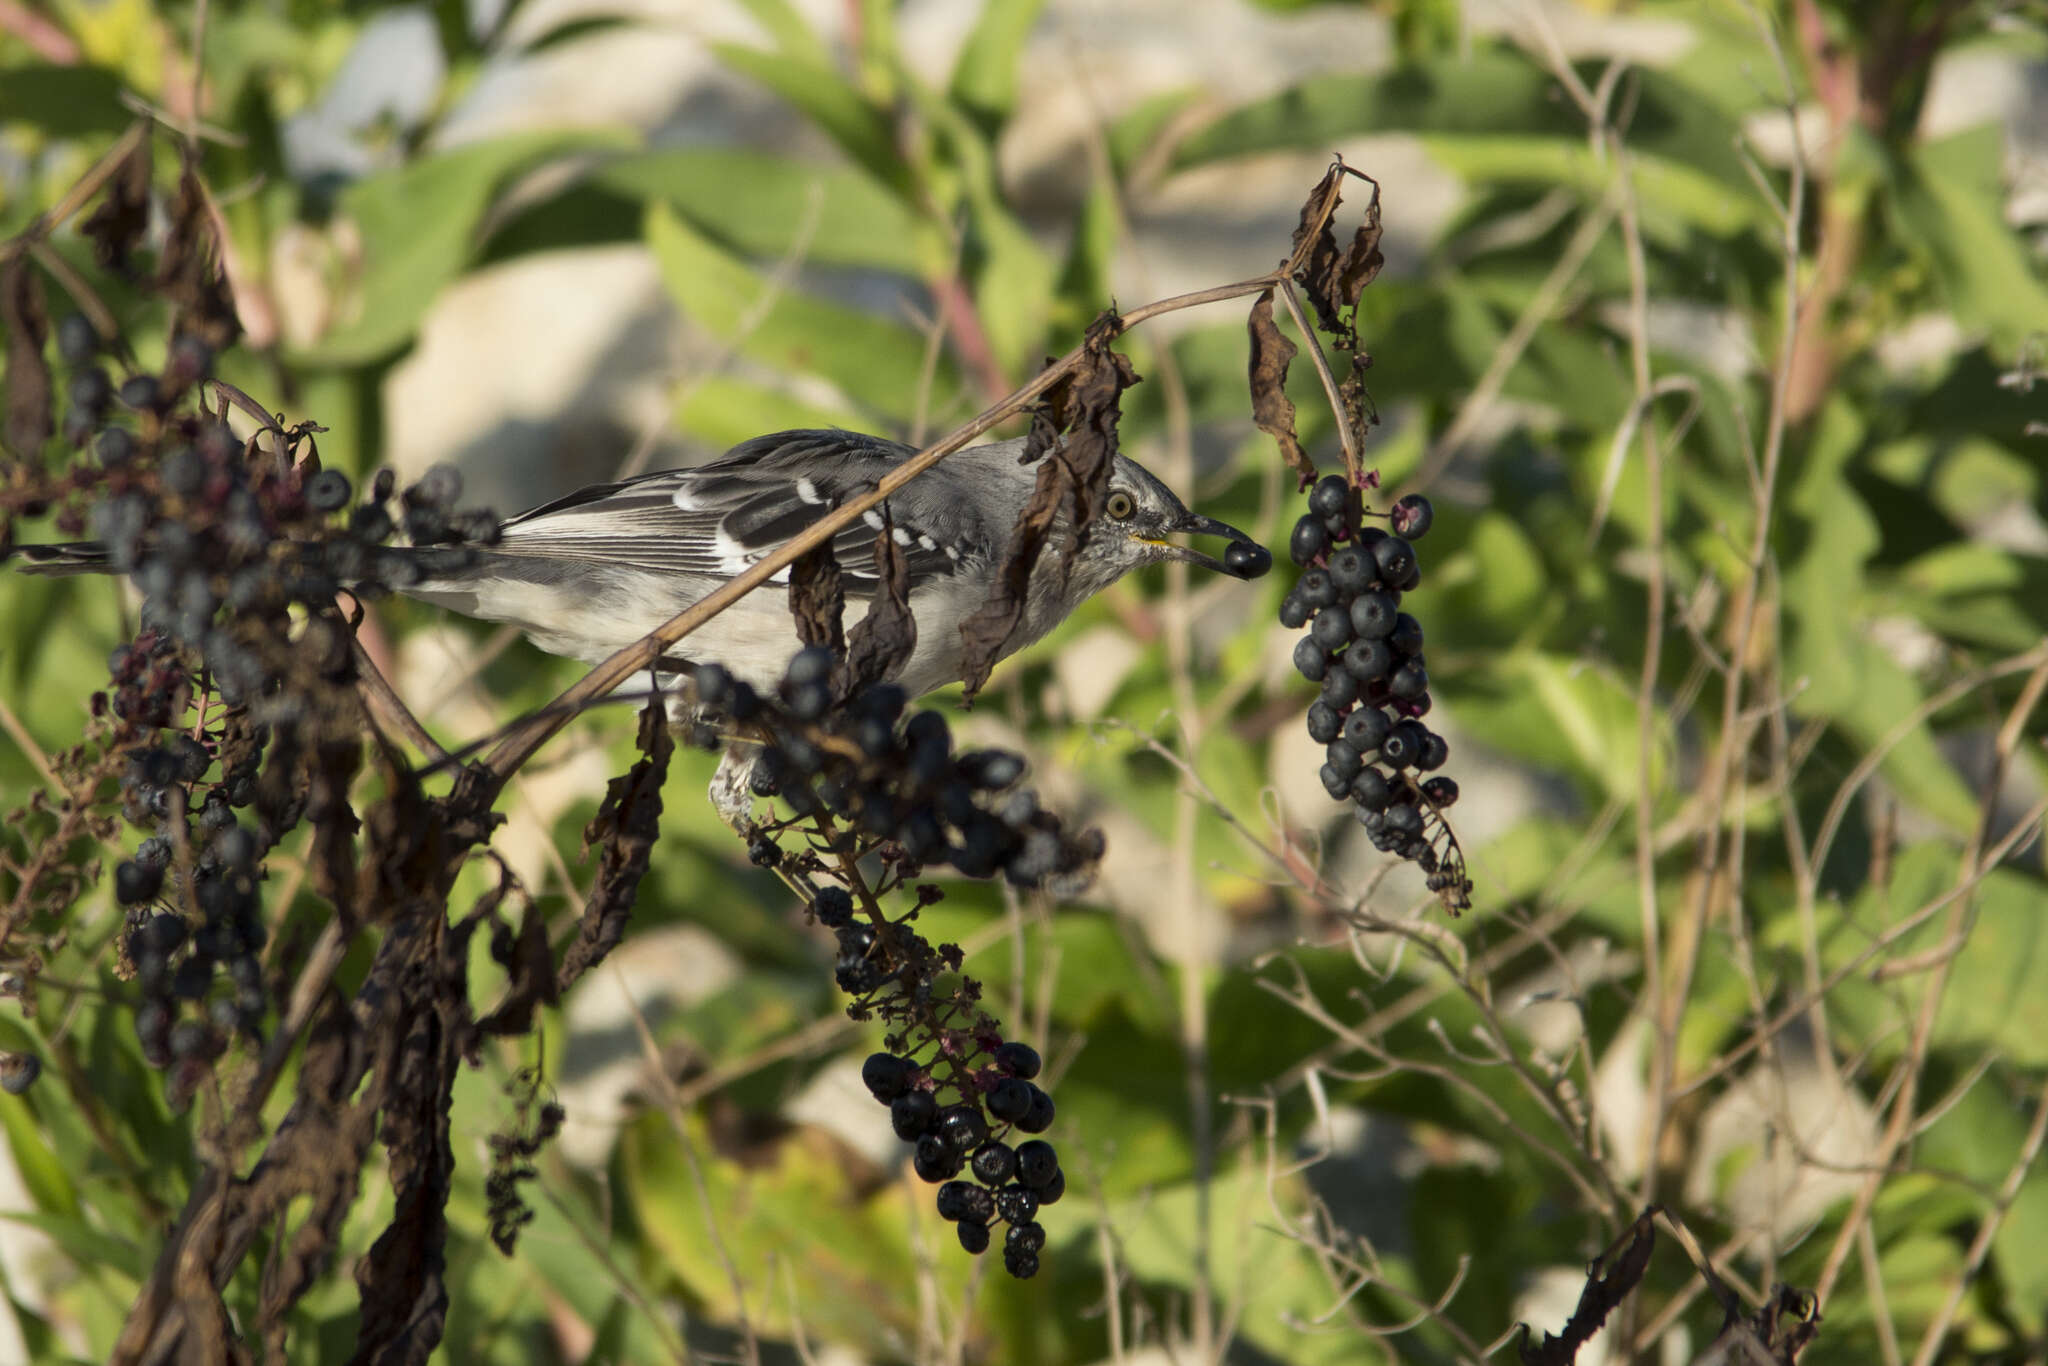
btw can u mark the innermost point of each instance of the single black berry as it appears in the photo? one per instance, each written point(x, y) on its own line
point(1019, 1263)
point(1308, 540)
point(1294, 613)
point(78, 341)
point(1371, 790)
point(1332, 627)
point(1016, 1204)
point(1441, 791)
point(1316, 590)
point(1412, 517)
point(887, 1076)
point(962, 1127)
point(1351, 571)
point(1009, 1100)
point(328, 491)
point(1409, 681)
point(1400, 749)
point(1340, 687)
point(1434, 751)
point(911, 1113)
point(1334, 782)
point(1372, 615)
point(1368, 659)
point(1018, 1059)
point(1330, 496)
point(1324, 722)
point(973, 1236)
point(1025, 1237)
point(1247, 559)
point(136, 881)
point(1037, 1163)
point(1344, 760)
point(834, 907)
point(1311, 660)
point(1396, 558)
point(1406, 638)
point(994, 1163)
point(18, 1072)
point(1365, 728)
point(935, 1159)
point(1039, 1119)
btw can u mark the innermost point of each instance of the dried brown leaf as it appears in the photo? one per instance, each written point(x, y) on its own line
point(1073, 479)
point(1271, 354)
point(817, 599)
point(624, 831)
point(882, 641)
point(1609, 1281)
point(189, 274)
point(117, 227)
point(31, 413)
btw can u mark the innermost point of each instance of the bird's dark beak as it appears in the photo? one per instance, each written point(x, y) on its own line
point(1245, 558)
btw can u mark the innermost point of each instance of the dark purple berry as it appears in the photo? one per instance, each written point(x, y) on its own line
point(78, 341)
point(136, 881)
point(1025, 1237)
point(911, 1113)
point(1039, 1118)
point(1311, 660)
point(1038, 1162)
point(1400, 749)
point(1368, 659)
point(1016, 1204)
point(1372, 615)
point(1371, 790)
point(1441, 791)
point(1351, 571)
point(1009, 1100)
point(1316, 590)
point(1294, 613)
point(1395, 557)
point(1247, 559)
point(834, 907)
point(1018, 1059)
point(328, 491)
point(887, 1076)
point(1412, 517)
point(1309, 539)
point(1340, 687)
point(1345, 760)
point(18, 1072)
point(1324, 722)
point(1365, 728)
point(1434, 751)
point(994, 1163)
point(1332, 628)
point(935, 1159)
point(1406, 638)
point(973, 1236)
point(1410, 681)
point(962, 1127)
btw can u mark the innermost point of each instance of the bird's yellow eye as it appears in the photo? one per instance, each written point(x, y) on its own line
point(1120, 506)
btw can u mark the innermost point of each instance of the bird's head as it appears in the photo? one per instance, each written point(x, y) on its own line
point(1139, 516)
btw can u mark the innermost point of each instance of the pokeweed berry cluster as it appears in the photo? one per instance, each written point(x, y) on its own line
point(861, 778)
point(233, 707)
point(968, 1120)
point(895, 779)
point(1366, 653)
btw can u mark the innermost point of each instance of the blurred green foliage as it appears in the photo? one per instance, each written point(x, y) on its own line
point(1845, 531)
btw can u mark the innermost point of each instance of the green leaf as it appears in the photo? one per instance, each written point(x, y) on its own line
point(876, 364)
point(1497, 115)
point(795, 1192)
point(864, 132)
point(786, 26)
point(1950, 199)
point(63, 101)
point(49, 1184)
point(762, 205)
point(418, 226)
point(726, 412)
point(985, 79)
point(86, 1246)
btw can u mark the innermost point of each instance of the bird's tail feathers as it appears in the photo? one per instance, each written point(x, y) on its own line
point(72, 557)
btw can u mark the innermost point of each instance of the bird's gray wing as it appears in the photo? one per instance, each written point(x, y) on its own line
point(719, 518)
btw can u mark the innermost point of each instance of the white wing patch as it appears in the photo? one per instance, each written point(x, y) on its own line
point(685, 499)
point(808, 491)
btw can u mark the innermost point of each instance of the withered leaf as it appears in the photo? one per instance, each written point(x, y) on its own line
point(1319, 269)
point(882, 641)
point(30, 411)
point(817, 599)
point(1608, 1282)
point(116, 228)
point(1271, 354)
point(623, 831)
point(532, 970)
point(189, 274)
point(1073, 480)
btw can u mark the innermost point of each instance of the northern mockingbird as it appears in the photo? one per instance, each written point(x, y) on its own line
point(587, 575)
